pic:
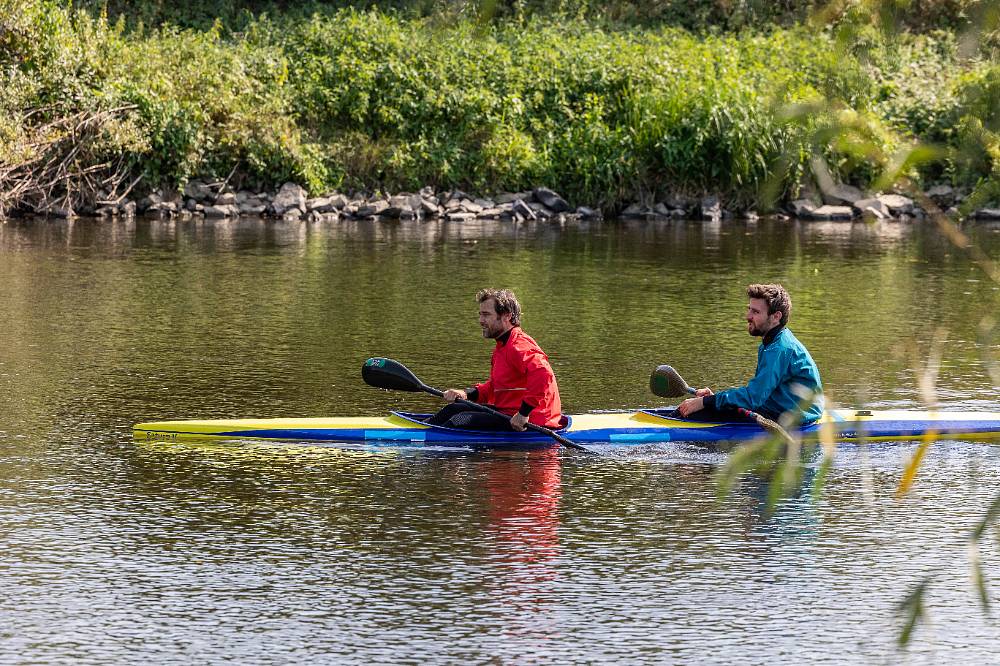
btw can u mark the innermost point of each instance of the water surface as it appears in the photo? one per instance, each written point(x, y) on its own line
point(116, 551)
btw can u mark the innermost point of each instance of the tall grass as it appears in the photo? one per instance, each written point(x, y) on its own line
point(365, 99)
point(695, 15)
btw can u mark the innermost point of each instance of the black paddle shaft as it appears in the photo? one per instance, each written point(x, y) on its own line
point(668, 383)
point(530, 426)
point(386, 373)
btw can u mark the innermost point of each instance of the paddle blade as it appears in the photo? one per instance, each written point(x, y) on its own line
point(384, 373)
point(668, 383)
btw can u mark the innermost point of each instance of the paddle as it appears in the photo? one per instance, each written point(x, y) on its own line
point(385, 373)
point(668, 383)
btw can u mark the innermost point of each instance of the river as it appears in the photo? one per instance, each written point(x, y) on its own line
point(126, 552)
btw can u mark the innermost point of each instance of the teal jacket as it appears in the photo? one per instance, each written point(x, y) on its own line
point(782, 364)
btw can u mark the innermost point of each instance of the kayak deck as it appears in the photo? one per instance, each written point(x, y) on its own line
point(624, 428)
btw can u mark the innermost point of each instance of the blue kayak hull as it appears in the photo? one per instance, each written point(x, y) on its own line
point(624, 428)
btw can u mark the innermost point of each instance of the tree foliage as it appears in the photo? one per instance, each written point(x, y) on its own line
point(366, 99)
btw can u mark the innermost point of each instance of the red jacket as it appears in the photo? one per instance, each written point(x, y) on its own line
point(520, 373)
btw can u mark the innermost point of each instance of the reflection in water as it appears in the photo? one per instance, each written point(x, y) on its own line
point(523, 494)
point(790, 517)
point(524, 507)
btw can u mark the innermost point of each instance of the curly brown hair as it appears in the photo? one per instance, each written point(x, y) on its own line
point(777, 299)
point(504, 302)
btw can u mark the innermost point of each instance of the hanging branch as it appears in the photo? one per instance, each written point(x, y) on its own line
point(63, 169)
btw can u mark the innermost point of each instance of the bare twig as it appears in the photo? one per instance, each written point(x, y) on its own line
point(225, 182)
point(62, 167)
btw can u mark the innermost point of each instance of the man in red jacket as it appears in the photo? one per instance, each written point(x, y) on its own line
point(521, 384)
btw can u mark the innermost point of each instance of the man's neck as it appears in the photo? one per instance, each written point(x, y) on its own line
point(772, 334)
point(503, 337)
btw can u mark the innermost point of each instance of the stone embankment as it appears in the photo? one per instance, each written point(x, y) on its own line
point(290, 202)
point(839, 203)
point(843, 202)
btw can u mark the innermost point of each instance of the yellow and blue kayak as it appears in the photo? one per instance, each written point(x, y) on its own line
point(622, 428)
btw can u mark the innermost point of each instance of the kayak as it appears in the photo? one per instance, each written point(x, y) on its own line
point(645, 426)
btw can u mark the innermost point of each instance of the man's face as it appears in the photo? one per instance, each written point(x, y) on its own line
point(758, 321)
point(494, 325)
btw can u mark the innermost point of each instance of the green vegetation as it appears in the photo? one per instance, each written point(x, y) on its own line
point(694, 15)
point(556, 94)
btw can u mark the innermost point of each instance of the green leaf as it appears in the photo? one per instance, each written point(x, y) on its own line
point(912, 610)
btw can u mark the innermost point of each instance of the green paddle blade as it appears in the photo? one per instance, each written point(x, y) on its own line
point(668, 383)
point(384, 373)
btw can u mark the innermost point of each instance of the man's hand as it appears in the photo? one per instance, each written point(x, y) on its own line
point(518, 422)
point(451, 395)
point(691, 405)
point(701, 393)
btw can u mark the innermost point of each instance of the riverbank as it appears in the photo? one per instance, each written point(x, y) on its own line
point(291, 202)
point(347, 101)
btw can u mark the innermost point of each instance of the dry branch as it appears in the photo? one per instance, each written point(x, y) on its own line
point(63, 168)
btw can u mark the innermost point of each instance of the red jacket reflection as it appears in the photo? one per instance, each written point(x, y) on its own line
point(521, 379)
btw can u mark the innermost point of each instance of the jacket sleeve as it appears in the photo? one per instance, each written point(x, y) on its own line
point(484, 393)
point(770, 371)
point(539, 375)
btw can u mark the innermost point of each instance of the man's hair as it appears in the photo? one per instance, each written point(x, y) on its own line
point(777, 299)
point(505, 302)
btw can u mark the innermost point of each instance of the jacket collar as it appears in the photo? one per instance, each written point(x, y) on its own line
point(770, 336)
point(502, 340)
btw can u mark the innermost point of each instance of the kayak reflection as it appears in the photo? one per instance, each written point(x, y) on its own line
point(524, 494)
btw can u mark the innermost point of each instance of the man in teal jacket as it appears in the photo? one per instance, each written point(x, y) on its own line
point(787, 379)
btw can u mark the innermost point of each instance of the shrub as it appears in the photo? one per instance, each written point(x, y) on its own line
point(365, 99)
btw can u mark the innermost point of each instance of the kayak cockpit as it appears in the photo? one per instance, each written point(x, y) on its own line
point(421, 420)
